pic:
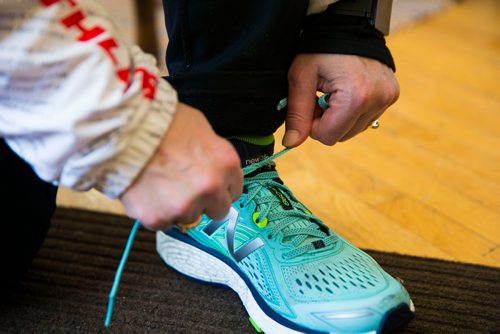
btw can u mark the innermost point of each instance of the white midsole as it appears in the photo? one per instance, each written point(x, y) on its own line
point(195, 263)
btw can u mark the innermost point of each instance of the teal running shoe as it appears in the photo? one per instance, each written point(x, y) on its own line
point(291, 272)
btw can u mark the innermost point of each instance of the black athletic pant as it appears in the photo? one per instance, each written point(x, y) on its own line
point(230, 59)
point(26, 206)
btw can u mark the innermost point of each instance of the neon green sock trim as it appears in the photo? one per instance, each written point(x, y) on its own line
point(255, 140)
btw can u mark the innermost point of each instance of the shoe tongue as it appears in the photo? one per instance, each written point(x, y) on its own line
point(251, 152)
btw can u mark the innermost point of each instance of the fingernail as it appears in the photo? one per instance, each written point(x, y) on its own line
point(291, 137)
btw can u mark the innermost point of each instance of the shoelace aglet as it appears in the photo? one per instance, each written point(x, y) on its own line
point(322, 102)
point(119, 272)
point(109, 312)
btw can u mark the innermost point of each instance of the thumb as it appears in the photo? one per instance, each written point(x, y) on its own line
point(301, 105)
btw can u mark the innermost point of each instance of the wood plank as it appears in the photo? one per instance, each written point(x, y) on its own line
point(352, 218)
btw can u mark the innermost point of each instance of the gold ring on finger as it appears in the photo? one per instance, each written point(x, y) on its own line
point(185, 227)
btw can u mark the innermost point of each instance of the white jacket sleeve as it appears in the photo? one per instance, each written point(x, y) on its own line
point(82, 107)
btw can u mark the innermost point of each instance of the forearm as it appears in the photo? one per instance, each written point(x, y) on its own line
point(81, 106)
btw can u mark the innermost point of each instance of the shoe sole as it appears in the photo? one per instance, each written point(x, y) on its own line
point(180, 255)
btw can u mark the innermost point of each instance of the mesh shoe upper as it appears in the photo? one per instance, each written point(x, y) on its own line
point(299, 267)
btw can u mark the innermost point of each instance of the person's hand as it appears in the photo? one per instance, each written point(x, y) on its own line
point(193, 171)
point(361, 90)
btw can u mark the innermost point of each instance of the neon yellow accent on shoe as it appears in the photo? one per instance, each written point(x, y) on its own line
point(260, 224)
point(257, 328)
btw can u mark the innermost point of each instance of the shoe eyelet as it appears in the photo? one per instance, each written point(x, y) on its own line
point(262, 223)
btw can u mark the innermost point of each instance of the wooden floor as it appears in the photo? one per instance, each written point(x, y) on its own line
point(427, 182)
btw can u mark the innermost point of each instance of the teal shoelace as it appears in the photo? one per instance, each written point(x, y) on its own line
point(130, 241)
point(119, 271)
point(305, 239)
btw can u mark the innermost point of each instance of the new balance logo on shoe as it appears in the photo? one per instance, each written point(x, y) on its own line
point(231, 219)
point(255, 160)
